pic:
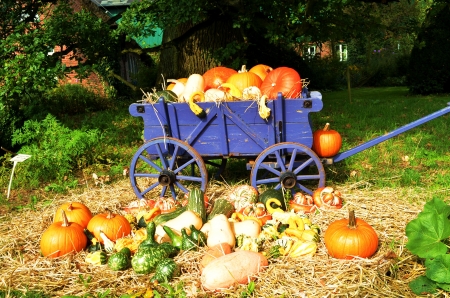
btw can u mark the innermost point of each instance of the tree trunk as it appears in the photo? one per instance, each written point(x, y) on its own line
point(187, 50)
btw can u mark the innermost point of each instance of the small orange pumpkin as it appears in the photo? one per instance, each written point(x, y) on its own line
point(326, 142)
point(62, 237)
point(115, 226)
point(244, 79)
point(261, 70)
point(75, 212)
point(350, 238)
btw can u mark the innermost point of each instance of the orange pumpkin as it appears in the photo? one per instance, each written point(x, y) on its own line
point(326, 142)
point(62, 237)
point(261, 70)
point(244, 79)
point(216, 76)
point(282, 79)
point(115, 226)
point(75, 212)
point(350, 238)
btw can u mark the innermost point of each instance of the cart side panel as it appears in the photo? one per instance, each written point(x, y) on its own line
point(230, 128)
point(297, 123)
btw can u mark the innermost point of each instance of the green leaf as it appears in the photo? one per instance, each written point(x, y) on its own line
point(422, 286)
point(444, 286)
point(426, 232)
point(438, 269)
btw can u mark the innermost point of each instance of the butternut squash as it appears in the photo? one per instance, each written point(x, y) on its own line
point(220, 231)
point(238, 267)
point(248, 227)
point(184, 220)
point(195, 83)
point(213, 253)
point(178, 88)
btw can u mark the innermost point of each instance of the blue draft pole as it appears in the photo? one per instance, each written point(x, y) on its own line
point(376, 141)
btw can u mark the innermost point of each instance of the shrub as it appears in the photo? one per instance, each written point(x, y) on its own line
point(56, 150)
point(429, 67)
point(67, 99)
point(327, 74)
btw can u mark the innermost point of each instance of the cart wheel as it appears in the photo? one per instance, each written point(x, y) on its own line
point(168, 165)
point(288, 165)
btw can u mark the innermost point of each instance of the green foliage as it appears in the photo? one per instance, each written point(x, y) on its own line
point(327, 74)
point(428, 237)
point(19, 294)
point(27, 72)
point(426, 232)
point(67, 99)
point(428, 72)
point(56, 150)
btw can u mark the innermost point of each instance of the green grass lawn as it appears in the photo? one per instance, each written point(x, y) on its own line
point(419, 157)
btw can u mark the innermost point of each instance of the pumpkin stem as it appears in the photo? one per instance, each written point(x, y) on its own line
point(110, 214)
point(70, 207)
point(326, 127)
point(65, 221)
point(351, 219)
point(243, 69)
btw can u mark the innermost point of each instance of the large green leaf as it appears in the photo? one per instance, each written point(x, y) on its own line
point(426, 232)
point(438, 269)
point(422, 286)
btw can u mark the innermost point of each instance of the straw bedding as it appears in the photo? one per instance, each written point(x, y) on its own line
point(386, 274)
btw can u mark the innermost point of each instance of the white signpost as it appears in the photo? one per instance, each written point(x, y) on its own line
point(16, 159)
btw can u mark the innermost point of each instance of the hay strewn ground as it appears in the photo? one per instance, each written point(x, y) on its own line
point(387, 274)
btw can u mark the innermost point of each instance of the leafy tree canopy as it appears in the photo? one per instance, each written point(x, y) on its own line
point(275, 21)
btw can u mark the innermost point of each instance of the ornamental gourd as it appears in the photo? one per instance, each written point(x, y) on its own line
point(350, 238)
point(115, 226)
point(244, 79)
point(62, 237)
point(282, 79)
point(326, 142)
point(75, 212)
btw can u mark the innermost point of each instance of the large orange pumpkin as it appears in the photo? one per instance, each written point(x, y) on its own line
point(216, 76)
point(75, 212)
point(244, 79)
point(115, 226)
point(261, 70)
point(326, 142)
point(349, 238)
point(282, 79)
point(62, 237)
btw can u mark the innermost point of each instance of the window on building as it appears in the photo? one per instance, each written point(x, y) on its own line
point(341, 51)
point(309, 52)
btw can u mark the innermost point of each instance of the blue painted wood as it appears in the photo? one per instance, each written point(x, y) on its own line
point(391, 134)
point(231, 128)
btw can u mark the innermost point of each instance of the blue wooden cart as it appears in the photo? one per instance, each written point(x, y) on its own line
point(178, 145)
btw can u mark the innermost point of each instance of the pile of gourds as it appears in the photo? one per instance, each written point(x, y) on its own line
point(259, 83)
point(238, 234)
